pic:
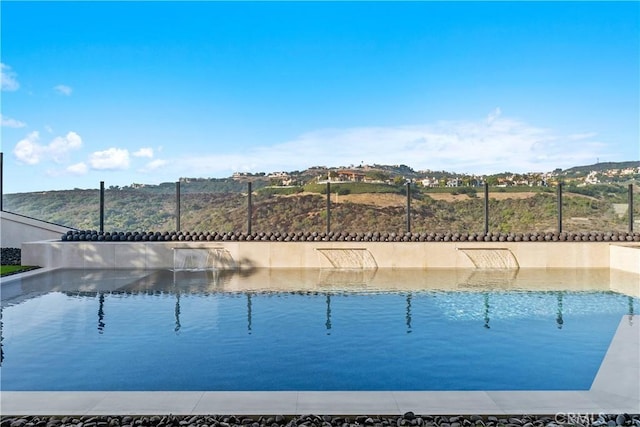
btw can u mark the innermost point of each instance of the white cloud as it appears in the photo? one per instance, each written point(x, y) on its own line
point(581, 136)
point(78, 169)
point(63, 90)
point(493, 116)
point(11, 123)
point(490, 145)
point(144, 152)
point(110, 159)
point(8, 81)
point(28, 150)
point(154, 165)
point(60, 146)
point(31, 152)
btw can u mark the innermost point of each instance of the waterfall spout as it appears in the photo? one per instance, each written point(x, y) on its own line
point(194, 259)
point(497, 258)
point(359, 258)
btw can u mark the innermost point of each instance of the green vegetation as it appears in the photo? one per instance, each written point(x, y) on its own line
point(377, 175)
point(281, 190)
point(469, 191)
point(354, 188)
point(221, 204)
point(617, 193)
point(198, 185)
point(6, 270)
point(292, 210)
point(480, 190)
point(601, 167)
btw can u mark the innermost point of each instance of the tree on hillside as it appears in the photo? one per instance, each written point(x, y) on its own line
point(399, 180)
point(378, 176)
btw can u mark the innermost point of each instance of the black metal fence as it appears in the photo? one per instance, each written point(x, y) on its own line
point(181, 208)
point(185, 206)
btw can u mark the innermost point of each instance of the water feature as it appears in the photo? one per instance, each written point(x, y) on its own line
point(202, 259)
point(497, 258)
point(349, 257)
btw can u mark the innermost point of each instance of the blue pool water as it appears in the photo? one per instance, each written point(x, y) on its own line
point(162, 334)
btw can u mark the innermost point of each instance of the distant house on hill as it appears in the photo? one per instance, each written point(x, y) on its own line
point(351, 175)
point(238, 175)
point(453, 182)
point(592, 178)
point(430, 182)
point(280, 178)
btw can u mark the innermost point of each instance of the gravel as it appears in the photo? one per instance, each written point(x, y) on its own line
point(408, 419)
point(10, 256)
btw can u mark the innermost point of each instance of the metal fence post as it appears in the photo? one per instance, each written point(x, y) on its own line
point(408, 206)
point(102, 206)
point(328, 207)
point(559, 207)
point(249, 207)
point(630, 208)
point(1, 181)
point(178, 206)
point(486, 208)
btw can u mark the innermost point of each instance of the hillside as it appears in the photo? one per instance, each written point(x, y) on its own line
point(377, 202)
point(600, 167)
point(525, 210)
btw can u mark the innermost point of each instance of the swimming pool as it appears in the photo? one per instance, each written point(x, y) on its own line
point(308, 330)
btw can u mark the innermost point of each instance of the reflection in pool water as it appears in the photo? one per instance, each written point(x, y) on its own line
point(308, 330)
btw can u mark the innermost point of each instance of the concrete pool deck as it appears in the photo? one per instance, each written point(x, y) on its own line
point(615, 389)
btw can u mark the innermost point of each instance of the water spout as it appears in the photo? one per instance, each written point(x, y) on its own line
point(495, 258)
point(353, 258)
point(195, 259)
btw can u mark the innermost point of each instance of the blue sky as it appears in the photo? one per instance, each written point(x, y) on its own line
point(149, 92)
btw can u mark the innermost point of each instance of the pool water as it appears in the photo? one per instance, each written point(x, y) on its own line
point(180, 335)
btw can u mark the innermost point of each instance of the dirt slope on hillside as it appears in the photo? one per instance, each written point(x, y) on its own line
point(386, 200)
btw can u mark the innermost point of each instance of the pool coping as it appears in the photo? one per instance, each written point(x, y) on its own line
point(615, 390)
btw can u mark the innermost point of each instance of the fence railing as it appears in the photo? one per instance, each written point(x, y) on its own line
point(185, 206)
point(182, 208)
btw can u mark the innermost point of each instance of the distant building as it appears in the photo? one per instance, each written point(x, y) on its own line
point(592, 178)
point(430, 182)
point(453, 182)
point(350, 175)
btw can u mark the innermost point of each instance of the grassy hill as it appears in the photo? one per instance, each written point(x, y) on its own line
point(599, 167)
point(220, 204)
point(355, 208)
